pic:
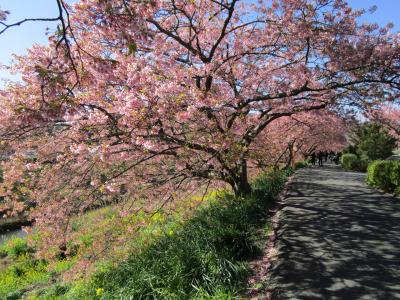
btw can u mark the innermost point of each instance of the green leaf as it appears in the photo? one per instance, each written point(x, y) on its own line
point(132, 48)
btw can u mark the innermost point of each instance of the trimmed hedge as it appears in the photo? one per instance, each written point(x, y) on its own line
point(385, 175)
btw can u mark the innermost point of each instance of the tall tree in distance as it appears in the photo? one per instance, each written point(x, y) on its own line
point(372, 141)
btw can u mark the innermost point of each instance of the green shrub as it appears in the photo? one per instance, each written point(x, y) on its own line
point(395, 173)
point(372, 141)
point(300, 165)
point(350, 162)
point(384, 175)
point(204, 258)
point(395, 176)
point(363, 165)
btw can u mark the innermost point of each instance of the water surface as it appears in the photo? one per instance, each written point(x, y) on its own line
point(9, 234)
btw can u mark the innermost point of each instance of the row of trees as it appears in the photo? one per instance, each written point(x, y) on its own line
point(141, 99)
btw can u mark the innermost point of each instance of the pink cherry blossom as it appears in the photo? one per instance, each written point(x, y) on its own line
point(155, 97)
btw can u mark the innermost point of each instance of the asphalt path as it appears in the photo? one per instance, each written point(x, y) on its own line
point(337, 239)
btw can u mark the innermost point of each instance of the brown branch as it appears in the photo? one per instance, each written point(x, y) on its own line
point(177, 38)
point(223, 31)
point(19, 23)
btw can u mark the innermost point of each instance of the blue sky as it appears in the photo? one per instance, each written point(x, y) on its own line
point(18, 39)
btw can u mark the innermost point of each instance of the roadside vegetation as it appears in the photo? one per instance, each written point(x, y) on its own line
point(203, 256)
point(385, 175)
point(369, 142)
point(372, 143)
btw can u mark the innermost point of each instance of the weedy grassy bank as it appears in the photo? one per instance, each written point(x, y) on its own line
point(205, 257)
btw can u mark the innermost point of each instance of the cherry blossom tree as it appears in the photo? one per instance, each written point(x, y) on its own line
point(295, 137)
point(135, 98)
point(389, 116)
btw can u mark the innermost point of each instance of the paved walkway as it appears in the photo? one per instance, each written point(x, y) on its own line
point(338, 239)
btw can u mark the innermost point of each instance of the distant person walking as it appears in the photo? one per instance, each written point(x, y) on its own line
point(313, 158)
point(320, 159)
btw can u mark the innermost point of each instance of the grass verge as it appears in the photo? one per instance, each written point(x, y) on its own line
point(206, 257)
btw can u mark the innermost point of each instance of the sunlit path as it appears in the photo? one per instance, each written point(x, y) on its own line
point(338, 239)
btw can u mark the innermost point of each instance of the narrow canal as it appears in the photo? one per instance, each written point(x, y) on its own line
point(11, 233)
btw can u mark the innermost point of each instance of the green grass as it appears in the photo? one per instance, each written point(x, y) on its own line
point(24, 271)
point(15, 247)
point(21, 271)
point(203, 257)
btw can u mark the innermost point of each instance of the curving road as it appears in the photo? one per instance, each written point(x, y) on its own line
point(337, 239)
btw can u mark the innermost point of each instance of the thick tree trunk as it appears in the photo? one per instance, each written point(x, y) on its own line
point(291, 159)
point(292, 155)
point(243, 188)
point(241, 185)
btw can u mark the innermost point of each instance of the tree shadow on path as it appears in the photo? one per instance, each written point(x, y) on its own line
point(338, 239)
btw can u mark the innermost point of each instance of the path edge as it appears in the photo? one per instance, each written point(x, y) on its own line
point(262, 265)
